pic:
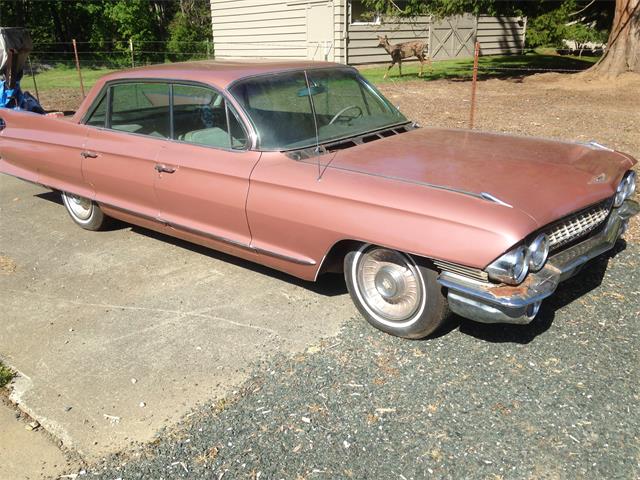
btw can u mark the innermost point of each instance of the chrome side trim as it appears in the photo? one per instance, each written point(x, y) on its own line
point(598, 146)
point(481, 196)
point(464, 271)
point(493, 198)
point(208, 235)
point(217, 238)
point(299, 261)
point(130, 212)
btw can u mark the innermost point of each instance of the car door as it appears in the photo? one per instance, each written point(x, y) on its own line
point(121, 151)
point(203, 174)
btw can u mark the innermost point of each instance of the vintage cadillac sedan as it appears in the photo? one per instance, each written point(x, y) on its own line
point(306, 168)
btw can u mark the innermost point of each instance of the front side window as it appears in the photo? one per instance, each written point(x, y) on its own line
point(99, 114)
point(201, 116)
point(141, 108)
point(290, 112)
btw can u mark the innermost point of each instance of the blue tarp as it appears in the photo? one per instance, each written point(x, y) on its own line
point(17, 99)
point(15, 45)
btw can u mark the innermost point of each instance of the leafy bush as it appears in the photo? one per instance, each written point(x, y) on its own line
point(6, 375)
point(190, 30)
point(549, 28)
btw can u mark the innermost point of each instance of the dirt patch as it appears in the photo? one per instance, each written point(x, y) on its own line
point(61, 99)
point(550, 105)
point(7, 265)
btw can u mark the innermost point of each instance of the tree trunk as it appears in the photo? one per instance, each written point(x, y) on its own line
point(623, 47)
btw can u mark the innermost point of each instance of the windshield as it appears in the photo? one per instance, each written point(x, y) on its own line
point(282, 107)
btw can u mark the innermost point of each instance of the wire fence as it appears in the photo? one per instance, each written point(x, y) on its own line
point(118, 53)
point(87, 56)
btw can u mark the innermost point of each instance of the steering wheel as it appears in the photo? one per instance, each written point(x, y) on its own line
point(345, 109)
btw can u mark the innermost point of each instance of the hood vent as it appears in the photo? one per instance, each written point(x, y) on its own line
point(350, 142)
point(369, 137)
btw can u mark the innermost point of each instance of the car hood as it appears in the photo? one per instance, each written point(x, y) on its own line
point(545, 179)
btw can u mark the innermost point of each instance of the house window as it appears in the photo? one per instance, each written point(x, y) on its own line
point(359, 14)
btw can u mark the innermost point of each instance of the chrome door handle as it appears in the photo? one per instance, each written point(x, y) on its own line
point(86, 154)
point(163, 168)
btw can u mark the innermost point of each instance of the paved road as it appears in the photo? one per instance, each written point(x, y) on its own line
point(99, 324)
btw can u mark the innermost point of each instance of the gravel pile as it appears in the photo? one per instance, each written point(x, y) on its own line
point(556, 399)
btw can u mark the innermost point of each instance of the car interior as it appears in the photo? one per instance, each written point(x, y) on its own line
point(200, 116)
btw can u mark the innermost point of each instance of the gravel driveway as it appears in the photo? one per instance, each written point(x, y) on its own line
point(555, 399)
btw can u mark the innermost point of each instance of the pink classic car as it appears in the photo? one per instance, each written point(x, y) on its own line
point(307, 168)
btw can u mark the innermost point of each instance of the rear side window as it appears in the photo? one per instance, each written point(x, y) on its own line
point(202, 117)
point(141, 108)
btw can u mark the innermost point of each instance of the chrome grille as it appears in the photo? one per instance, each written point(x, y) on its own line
point(470, 272)
point(577, 225)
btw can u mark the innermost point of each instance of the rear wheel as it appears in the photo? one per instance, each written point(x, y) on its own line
point(393, 292)
point(83, 211)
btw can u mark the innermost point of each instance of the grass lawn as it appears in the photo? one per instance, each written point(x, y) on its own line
point(489, 67)
point(63, 77)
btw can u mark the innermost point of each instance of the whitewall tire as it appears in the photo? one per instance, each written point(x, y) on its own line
point(84, 212)
point(393, 292)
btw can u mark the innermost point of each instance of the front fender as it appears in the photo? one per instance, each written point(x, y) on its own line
point(293, 212)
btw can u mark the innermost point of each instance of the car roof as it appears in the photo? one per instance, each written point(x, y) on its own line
point(219, 73)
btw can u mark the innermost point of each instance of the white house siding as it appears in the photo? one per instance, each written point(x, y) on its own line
point(279, 29)
point(259, 28)
point(497, 36)
point(339, 44)
point(500, 35)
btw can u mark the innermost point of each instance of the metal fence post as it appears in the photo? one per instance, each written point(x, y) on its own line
point(474, 81)
point(33, 76)
point(75, 51)
point(131, 48)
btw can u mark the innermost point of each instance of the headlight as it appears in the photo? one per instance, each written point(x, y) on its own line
point(511, 267)
point(625, 189)
point(538, 252)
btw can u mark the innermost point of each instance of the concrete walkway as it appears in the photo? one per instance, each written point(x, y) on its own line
point(117, 334)
point(27, 455)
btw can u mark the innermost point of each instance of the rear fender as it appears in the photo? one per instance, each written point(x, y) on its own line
point(43, 149)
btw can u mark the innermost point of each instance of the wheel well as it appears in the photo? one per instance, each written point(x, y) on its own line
point(333, 261)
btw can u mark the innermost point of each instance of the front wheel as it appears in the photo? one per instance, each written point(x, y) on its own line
point(84, 212)
point(393, 293)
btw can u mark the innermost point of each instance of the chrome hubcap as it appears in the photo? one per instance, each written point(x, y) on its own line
point(390, 283)
point(79, 206)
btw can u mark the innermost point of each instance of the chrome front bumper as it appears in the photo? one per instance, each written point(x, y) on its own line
point(491, 303)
